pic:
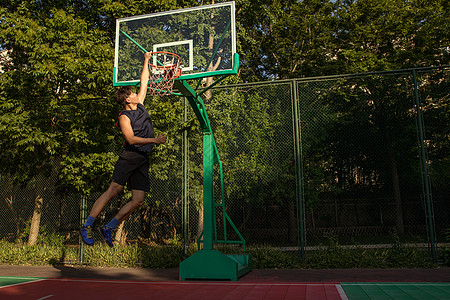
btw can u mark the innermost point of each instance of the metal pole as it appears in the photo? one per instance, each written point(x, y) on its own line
point(82, 221)
point(423, 160)
point(299, 173)
point(185, 183)
point(131, 39)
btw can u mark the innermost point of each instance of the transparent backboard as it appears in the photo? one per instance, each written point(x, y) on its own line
point(204, 37)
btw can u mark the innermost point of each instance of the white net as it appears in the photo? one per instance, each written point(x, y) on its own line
point(163, 72)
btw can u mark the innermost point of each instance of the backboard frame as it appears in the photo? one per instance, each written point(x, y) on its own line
point(230, 30)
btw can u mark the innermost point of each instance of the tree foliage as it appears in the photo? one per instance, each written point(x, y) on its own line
point(56, 93)
point(58, 115)
point(62, 52)
point(289, 39)
point(57, 61)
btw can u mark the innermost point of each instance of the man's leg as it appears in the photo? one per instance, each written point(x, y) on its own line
point(100, 203)
point(137, 199)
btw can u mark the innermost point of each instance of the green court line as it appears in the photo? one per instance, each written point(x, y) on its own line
point(12, 280)
point(397, 291)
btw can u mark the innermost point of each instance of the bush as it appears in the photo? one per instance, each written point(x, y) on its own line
point(444, 252)
point(326, 256)
point(137, 255)
point(270, 258)
point(333, 255)
point(39, 254)
point(45, 236)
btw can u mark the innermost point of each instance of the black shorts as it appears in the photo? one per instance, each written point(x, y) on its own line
point(132, 169)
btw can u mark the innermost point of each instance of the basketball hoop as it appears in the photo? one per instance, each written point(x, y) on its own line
point(163, 72)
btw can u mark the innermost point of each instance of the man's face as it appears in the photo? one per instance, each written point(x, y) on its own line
point(133, 98)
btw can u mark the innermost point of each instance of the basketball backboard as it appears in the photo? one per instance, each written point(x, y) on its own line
point(204, 37)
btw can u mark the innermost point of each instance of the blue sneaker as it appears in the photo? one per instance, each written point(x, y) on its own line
point(86, 235)
point(106, 234)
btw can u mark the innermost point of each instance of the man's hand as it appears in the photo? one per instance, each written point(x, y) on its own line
point(161, 139)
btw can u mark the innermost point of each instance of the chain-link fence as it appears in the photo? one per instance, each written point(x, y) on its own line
point(360, 157)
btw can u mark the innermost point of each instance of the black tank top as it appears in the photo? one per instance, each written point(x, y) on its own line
point(142, 126)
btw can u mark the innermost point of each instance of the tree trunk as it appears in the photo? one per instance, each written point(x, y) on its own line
point(121, 234)
point(212, 67)
point(36, 220)
point(9, 203)
point(292, 223)
point(200, 221)
point(396, 187)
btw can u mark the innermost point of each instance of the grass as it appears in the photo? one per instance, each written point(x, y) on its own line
point(371, 240)
point(140, 255)
point(39, 254)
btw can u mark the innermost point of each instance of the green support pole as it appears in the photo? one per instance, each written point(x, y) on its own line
point(208, 192)
point(209, 263)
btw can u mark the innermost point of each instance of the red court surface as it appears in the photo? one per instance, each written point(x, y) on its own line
point(77, 282)
point(111, 289)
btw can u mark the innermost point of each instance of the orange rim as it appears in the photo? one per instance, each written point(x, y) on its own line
point(165, 67)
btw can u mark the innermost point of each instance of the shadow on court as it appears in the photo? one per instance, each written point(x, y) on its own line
point(256, 275)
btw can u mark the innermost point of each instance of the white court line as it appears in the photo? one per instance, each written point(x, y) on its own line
point(46, 297)
point(21, 283)
point(400, 283)
point(341, 292)
point(16, 277)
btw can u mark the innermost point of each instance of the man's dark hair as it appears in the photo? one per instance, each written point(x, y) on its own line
point(122, 93)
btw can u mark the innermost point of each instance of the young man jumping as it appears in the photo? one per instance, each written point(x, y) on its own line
point(133, 164)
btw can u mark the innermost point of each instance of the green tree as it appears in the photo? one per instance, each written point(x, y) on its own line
point(57, 61)
point(385, 35)
point(282, 39)
point(58, 115)
point(288, 39)
point(56, 94)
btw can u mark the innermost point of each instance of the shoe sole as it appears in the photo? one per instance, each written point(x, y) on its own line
point(104, 238)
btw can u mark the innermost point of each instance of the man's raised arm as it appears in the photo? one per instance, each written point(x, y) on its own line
point(144, 78)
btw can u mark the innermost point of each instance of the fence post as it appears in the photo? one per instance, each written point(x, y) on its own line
point(185, 191)
point(82, 221)
point(298, 167)
point(423, 162)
